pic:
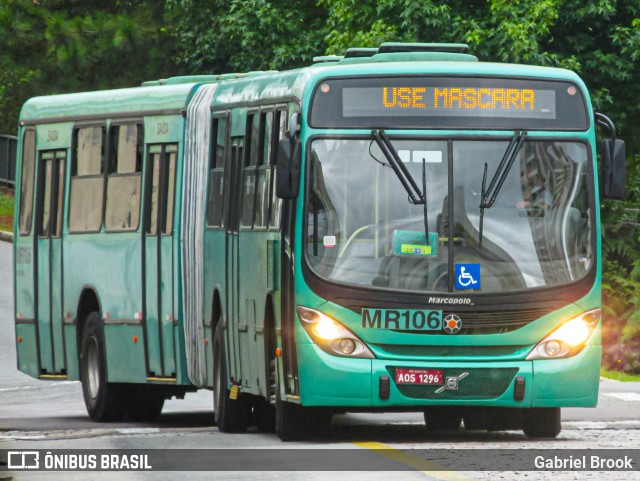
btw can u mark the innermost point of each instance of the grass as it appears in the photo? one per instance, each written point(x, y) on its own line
point(6, 209)
point(619, 376)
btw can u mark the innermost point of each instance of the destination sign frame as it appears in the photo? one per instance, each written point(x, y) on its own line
point(445, 102)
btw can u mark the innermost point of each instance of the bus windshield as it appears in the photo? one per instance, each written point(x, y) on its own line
point(362, 229)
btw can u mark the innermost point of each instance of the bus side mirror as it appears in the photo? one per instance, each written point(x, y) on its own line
point(288, 168)
point(614, 171)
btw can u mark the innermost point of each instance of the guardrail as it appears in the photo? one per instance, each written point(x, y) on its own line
point(8, 149)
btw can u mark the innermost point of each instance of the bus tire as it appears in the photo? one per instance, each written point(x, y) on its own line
point(442, 418)
point(264, 408)
point(265, 415)
point(542, 422)
point(231, 415)
point(145, 404)
point(299, 423)
point(104, 401)
point(290, 422)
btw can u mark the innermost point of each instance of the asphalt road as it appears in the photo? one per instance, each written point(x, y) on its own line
point(50, 415)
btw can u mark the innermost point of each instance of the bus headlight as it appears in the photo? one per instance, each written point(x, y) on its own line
point(332, 336)
point(568, 339)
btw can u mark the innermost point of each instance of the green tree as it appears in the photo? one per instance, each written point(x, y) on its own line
point(56, 46)
point(240, 35)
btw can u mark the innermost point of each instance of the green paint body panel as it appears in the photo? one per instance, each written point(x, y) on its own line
point(238, 120)
point(108, 102)
point(327, 380)
point(125, 359)
point(71, 351)
point(163, 129)
point(569, 382)
point(27, 349)
point(116, 279)
point(54, 136)
point(23, 279)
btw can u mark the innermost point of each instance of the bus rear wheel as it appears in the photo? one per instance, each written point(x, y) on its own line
point(542, 422)
point(231, 415)
point(104, 401)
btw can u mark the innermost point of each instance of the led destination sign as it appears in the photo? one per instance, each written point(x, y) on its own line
point(448, 102)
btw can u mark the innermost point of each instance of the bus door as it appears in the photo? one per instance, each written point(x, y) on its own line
point(232, 274)
point(49, 209)
point(159, 314)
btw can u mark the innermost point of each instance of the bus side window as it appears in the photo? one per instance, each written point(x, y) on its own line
point(87, 180)
point(216, 172)
point(167, 221)
point(279, 132)
point(125, 178)
point(252, 140)
point(264, 170)
point(27, 180)
point(161, 183)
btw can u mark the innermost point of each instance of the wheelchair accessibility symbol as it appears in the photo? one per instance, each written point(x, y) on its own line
point(468, 276)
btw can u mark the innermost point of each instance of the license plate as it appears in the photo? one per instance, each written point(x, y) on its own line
point(419, 376)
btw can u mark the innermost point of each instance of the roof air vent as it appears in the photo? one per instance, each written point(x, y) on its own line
point(360, 52)
point(393, 47)
point(327, 59)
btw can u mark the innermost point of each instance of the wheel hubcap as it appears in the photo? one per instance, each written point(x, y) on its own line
point(93, 368)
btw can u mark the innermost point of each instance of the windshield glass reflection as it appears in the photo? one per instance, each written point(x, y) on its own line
point(362, 229)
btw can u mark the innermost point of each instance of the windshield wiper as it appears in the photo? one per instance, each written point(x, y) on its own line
point(387, 148)
point(416, 197)
point(489, 195)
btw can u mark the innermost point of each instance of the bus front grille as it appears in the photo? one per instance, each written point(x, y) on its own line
point(450, 351)
point(493, 322)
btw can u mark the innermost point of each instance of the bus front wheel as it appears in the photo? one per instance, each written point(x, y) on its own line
point(104, 401)
point(298, 423)
point(542, 422)
point(231, 415)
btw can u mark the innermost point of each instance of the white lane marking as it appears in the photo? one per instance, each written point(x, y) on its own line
point(601, 425)
point(98, 432)
point(20, 388)
point(625, 396)
point(137, 430)
point(39, 386)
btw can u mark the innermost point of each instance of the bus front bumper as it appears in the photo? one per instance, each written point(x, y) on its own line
point(327, 380)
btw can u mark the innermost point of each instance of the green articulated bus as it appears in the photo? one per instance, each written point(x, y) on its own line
point(396, 229)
